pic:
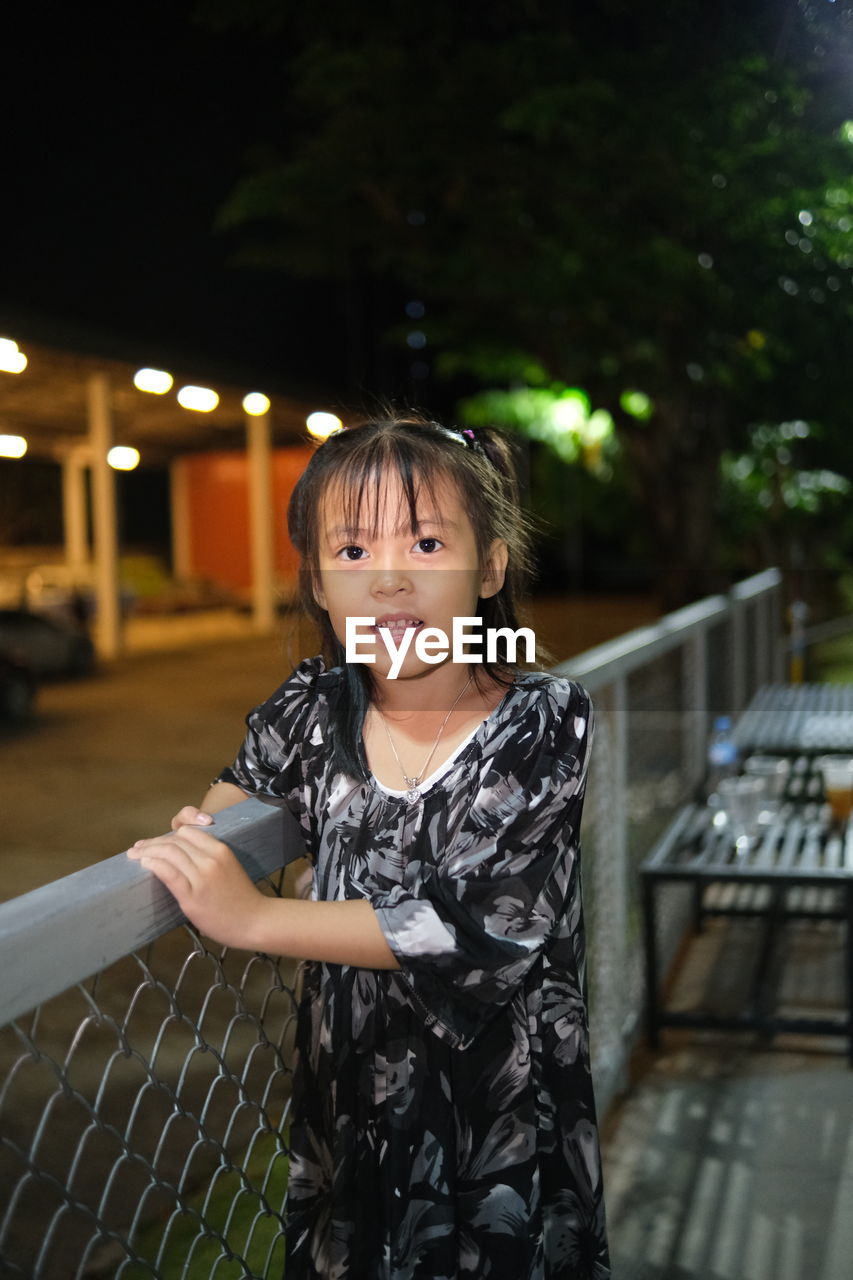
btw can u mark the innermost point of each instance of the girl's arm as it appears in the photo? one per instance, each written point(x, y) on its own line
point(217, 896)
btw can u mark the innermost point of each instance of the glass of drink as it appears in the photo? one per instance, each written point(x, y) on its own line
point(837, 774)
point(742, 799)
point(774, 771)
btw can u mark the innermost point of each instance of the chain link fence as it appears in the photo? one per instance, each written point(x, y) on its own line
point(145, 1072)
point(144, 1095)
point(656, 692)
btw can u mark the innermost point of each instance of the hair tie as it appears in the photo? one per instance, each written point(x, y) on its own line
point(467, 437)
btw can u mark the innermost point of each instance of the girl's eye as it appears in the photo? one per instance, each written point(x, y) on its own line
point(428, 544)
point(345, 551)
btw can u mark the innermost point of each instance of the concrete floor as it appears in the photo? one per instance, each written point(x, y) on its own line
point(727, 1160)
point(731, 1157)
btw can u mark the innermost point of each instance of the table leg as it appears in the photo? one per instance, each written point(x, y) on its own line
point(848, 953)
point(698, 891)
point(650, 941)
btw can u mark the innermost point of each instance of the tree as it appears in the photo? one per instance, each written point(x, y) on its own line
point(652, 199)
point(782, 512)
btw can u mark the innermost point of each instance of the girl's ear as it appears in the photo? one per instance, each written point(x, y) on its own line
point(494, 572)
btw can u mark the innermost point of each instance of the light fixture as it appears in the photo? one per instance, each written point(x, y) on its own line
point(157, 381)
point(322, 425)
point(123, 457)
point(12, 446)
point(201, 399)
point(256, 404)
point(12, 360)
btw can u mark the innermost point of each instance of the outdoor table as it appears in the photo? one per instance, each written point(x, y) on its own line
point(786, 718)
point(797, 851)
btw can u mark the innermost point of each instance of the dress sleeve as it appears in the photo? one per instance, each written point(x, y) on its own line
point(277, 732)
point(487, 905)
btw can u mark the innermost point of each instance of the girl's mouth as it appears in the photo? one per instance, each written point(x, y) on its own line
point(398, 627)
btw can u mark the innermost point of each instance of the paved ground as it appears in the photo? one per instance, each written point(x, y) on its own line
point(725, 1162)
point(729, 1162)
point(110, 758)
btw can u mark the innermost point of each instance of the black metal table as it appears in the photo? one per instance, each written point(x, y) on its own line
point(799, 849)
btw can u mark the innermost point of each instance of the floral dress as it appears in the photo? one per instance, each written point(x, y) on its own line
point(443, 1114)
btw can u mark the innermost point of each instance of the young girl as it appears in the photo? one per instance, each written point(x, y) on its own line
point(443, 1122)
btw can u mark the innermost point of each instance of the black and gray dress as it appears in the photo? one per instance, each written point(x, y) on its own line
point(443, 1116)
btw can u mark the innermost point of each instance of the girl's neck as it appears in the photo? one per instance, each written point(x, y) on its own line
point(431, 694)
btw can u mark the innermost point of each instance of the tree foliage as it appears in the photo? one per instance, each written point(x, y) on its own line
point(654, 198)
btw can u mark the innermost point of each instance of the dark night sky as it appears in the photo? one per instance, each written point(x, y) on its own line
point(125, 128)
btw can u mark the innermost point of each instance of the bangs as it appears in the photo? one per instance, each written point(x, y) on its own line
point(387, 484)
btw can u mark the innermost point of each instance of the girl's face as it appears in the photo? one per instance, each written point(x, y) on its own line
point(412, 580)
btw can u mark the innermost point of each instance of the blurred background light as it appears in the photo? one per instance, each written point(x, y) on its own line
point(637, 404)
point(12, 446)
point(123, 458)
point(256, 404)
point(12, 359)
point(322, 425)
point(157, 381)
point(201, 399)
point(569, 410)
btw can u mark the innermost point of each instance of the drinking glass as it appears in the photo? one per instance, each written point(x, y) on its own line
point(742, 799)
point(837, 774)
point(774, 771)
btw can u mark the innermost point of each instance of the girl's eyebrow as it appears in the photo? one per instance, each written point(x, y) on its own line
point(356, 531)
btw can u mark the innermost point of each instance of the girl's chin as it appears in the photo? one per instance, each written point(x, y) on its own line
point(412, 668)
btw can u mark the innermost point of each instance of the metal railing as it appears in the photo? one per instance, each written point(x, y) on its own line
point(656, 692)
point(145, 1076)
point(145, 1071)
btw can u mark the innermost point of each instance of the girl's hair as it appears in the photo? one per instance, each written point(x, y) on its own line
point(353, 463)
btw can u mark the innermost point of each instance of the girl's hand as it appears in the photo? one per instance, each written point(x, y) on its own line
point(211, 887)
point(190, 816)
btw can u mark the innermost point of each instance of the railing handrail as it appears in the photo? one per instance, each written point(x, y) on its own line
point(63, 932)
point(749, 588)
point(609, 661)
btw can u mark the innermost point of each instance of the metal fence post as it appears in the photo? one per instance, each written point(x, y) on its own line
point(621, 880)
point(737, 631)
point(607, 888)
point(694, 662)
point(777, 630)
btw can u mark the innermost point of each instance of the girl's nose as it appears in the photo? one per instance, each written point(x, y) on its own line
point(390, 580)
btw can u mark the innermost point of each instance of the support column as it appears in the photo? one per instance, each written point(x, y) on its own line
point(108, 620)
point(75, 507)
point(260, 521)
point(182, 566)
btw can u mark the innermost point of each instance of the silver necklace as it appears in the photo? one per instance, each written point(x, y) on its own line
point(412, 784)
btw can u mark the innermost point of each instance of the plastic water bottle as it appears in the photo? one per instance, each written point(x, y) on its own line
point(722, 753)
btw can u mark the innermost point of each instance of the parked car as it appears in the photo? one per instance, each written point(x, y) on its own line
point(47, 646)
point(17, 690)
point(65, 593)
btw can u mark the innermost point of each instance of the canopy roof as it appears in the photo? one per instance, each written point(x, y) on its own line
point(47, 404)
